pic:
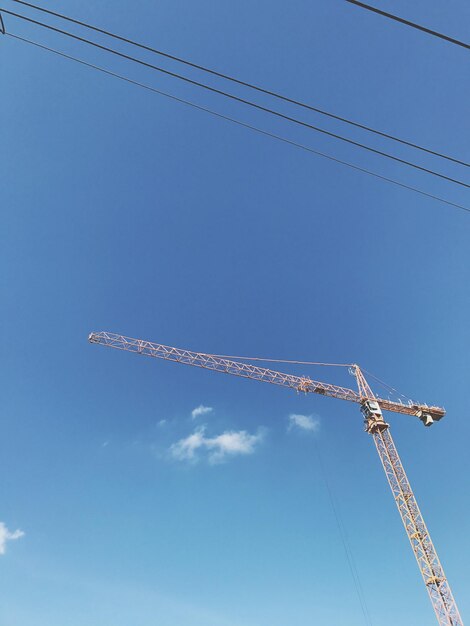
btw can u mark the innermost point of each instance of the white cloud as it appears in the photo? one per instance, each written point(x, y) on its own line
point(6, 535)
point(185, 449)
point(161, 423)
point(201, 410)
point(231, 443)
point(304, 422)
point(218, 448)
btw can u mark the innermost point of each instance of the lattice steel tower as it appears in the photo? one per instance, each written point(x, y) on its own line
point(431, 569)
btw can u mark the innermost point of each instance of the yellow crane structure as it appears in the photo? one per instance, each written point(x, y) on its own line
point(436, 583)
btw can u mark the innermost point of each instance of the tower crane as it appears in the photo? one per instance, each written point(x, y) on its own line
point(371, 406)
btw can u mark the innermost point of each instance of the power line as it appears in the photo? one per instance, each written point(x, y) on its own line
point(406, 22)
point(242, 124)
point(241, 82)
point(241, 100)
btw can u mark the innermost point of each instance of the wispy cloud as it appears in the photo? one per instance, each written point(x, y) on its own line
point(185, 449)
point(303, 422)
point(201, 410)
point(228, 444)
point(7, 535)
point(231, 443)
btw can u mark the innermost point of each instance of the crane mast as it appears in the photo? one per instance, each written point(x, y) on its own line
point(436, 583)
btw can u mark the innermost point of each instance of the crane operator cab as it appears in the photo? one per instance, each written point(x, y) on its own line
point(373, 418)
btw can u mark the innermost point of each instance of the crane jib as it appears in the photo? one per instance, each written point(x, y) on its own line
point(247, 370)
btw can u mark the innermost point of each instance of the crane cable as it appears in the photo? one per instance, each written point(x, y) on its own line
point(389, 387)
point(344, 540)
point(243, 83)
point(249, 103)
point(292, 362)
point(255, 358)
point(240, 123)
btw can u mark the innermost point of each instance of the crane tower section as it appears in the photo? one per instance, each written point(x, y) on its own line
point(436, 583)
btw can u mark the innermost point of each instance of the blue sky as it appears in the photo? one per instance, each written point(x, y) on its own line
point(124, 211)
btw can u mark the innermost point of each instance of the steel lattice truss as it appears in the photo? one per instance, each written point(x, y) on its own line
point(431, 569)
point(245, 370)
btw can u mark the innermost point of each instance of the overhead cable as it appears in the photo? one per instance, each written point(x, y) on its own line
point(258, 88)
point(363, 5)
point(241, 100)
point(240, 123)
